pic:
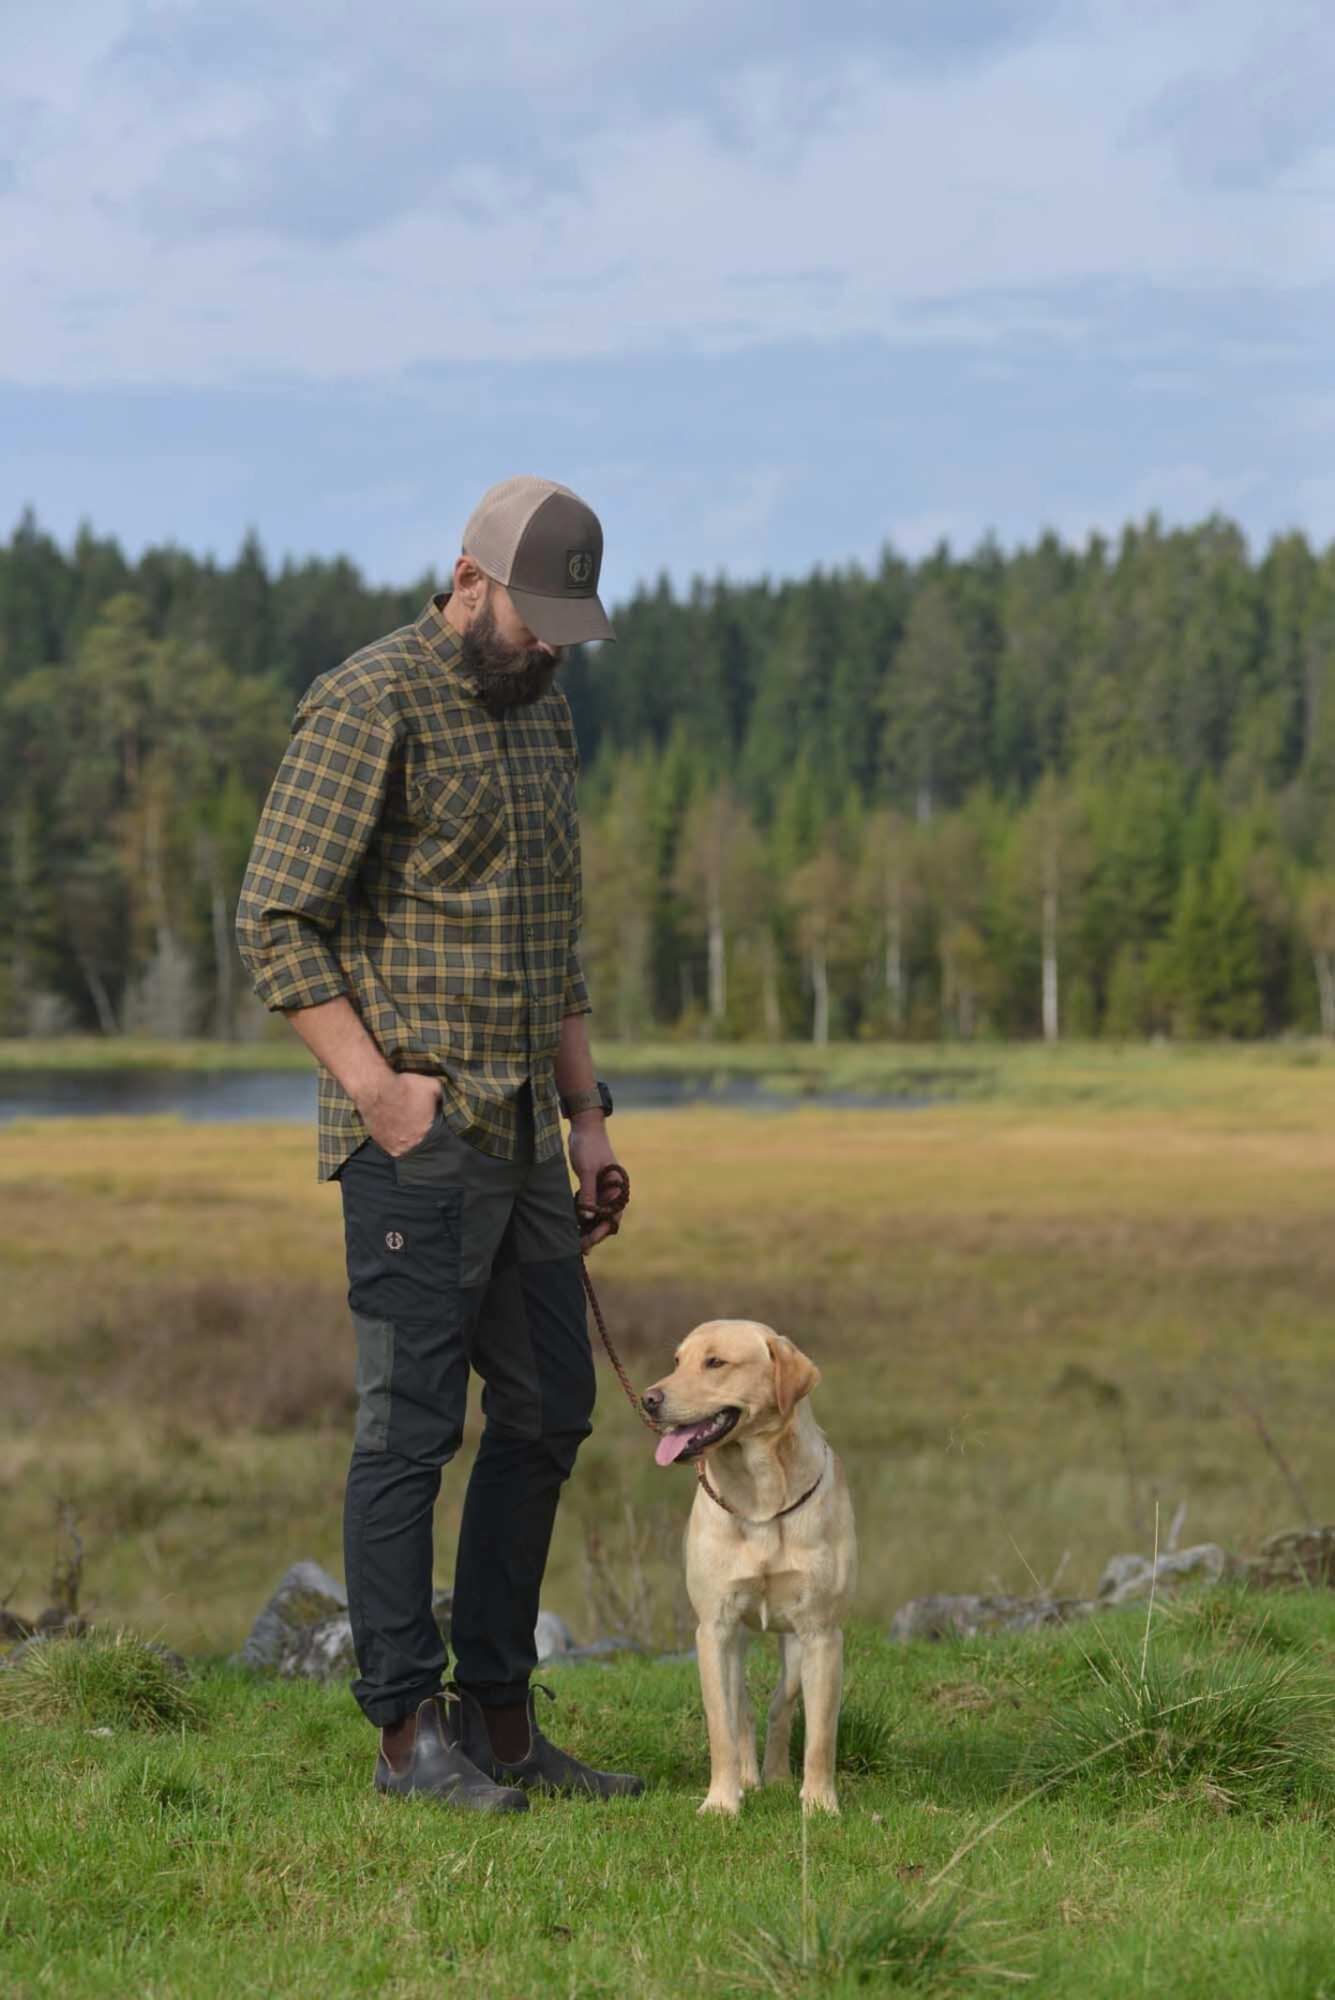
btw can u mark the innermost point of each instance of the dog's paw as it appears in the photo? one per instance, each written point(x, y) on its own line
point(820, 1800)
point(728, 1804)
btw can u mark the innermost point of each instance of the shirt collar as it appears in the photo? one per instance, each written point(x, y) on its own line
point(438, 635)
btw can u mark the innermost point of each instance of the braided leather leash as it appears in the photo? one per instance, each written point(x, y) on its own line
point(613, 1194)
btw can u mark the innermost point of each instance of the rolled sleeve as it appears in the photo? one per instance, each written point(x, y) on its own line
point(576, 995)
point(323, 807)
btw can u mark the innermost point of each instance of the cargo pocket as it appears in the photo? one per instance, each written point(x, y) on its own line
point(375, 1375)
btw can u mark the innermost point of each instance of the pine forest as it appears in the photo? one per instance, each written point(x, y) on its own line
point(1053, 792)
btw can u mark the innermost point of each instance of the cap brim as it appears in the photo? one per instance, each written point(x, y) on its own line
point(562, 621)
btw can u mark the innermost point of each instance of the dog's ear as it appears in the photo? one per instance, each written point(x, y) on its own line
point(794, 1375)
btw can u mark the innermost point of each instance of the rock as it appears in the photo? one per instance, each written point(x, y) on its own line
point(306, 1597)
point(1122, 1573)
point(604, 1649)
point(13, 1629)
point(552, 1637)
point(967, 1617)
point(303, 1632)
point(1129, 1579)
point(319, 1652)
point(1302, 1556)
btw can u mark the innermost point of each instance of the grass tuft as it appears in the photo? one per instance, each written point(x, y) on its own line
point(866, 1744)
point(106, 1681)
point(1240, 1729)
point(893, 1945)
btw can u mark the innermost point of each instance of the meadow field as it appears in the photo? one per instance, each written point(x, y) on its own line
point(1087, 1290)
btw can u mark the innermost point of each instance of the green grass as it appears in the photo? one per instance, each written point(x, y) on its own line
point(243, 1853)
point(1040, 1312)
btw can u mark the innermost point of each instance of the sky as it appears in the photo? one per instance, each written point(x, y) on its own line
point(771, 283)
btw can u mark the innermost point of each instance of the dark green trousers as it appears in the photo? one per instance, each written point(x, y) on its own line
point(458, 1262)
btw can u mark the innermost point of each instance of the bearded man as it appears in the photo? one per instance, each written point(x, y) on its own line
point(412, 905)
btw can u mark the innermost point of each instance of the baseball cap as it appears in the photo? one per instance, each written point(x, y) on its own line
point(546, 546)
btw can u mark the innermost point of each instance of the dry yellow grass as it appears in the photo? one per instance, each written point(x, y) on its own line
point(1032, 1322)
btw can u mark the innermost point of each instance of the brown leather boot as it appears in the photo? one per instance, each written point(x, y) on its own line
point(437, 1767)
point(545, 1768)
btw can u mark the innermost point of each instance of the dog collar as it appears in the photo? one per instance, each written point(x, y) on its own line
point(769, 1520)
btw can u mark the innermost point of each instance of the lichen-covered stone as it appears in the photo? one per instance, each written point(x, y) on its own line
point(1129, 1579)
point(1299, 1556)
point(966, 1617)
point(307, 1596)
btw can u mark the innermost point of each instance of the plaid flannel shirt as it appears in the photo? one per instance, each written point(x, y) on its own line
point(420, 855)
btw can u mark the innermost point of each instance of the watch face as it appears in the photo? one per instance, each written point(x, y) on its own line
point(605, 1098)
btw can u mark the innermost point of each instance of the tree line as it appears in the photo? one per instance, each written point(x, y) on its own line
point(1056, 791)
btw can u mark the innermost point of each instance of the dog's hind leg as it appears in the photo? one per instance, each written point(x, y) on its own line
point(783, 1702)
point(822, 1685)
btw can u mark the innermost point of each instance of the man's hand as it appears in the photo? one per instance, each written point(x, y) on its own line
point(400, 1109)
point(590, 1151)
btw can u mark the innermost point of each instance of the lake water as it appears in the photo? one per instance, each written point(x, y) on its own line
point(288, 1097)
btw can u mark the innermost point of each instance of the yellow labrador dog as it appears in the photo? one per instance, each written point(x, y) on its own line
point(770, 1546)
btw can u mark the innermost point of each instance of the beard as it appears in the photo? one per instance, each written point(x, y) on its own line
point(500, 677)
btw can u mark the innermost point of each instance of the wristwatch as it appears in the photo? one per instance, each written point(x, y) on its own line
point(599, 1098)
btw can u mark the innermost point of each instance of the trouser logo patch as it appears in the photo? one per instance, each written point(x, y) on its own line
point(394, 1241)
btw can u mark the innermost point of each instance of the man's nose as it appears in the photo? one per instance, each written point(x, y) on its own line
point(652, 1400)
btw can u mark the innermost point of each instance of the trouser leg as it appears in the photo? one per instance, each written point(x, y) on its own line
point(531, 1346)
point(409, 1312)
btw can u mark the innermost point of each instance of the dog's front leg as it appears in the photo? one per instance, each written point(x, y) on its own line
point(779, 1733)
point(822, 1684)
point(717, 1646)
point(748, 1770)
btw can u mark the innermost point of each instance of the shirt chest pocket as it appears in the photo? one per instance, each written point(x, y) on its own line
point(462, 833)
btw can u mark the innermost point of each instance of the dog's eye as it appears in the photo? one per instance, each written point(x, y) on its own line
point(716, 1361)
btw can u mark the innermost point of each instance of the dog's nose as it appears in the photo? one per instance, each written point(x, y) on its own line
point(652, 1400)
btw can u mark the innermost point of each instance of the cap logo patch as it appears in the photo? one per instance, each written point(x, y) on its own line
point(579, 568)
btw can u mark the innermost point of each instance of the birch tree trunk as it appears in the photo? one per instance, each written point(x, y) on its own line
point(718, 956)
point(1324, 961)
point(1051, 912)
point(769, 986)
point(894, 953)
point(97, 988)
point(224, 951)
point(820, 982)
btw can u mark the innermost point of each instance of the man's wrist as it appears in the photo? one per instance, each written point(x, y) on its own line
point(596, 1099)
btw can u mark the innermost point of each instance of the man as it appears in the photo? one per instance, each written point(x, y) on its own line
point(412, 905)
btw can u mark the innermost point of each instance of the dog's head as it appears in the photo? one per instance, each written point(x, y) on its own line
point(733, 1378)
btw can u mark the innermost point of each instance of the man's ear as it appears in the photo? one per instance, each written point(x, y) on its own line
point(794, 1375)
point(470, 582)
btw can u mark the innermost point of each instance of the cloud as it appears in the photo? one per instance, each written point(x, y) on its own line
point(1247, 121)
point(773, 290)
point(323, 191)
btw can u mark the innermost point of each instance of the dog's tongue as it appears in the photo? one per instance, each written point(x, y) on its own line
point(673, 1443)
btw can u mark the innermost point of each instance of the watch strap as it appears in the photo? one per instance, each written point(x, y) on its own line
point(596, 1098)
